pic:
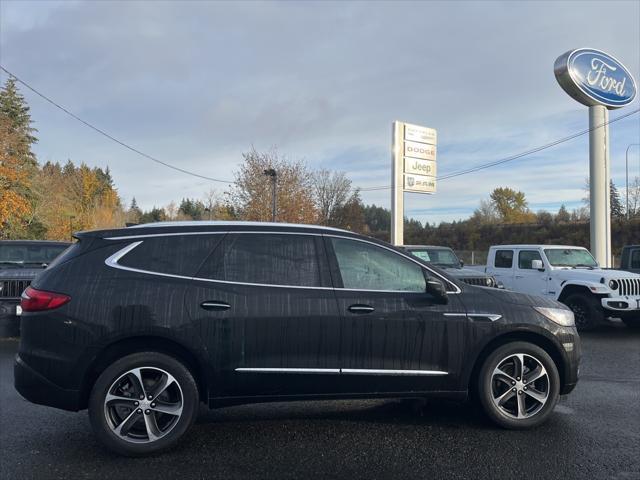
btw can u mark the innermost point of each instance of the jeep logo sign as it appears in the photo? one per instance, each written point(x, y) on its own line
point(593, 77)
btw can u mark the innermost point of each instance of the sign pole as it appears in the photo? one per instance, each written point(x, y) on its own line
point(600, 224)
point(397, 184)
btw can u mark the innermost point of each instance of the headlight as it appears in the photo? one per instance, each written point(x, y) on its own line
point(613, 284)
point(488, 281)
point(558, 315)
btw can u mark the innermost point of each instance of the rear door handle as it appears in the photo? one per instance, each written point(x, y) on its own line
point(216, 306)
point(361, 308)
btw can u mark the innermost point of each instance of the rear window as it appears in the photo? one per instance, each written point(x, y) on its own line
point(270, 259)
point(504, 259)
point(175, 255)
point(31, 255)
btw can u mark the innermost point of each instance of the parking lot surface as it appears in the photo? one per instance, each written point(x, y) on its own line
point(593, 433)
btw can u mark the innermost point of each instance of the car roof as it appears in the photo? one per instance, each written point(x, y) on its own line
point(538, 245)
point(165, 228)
point(426, 246)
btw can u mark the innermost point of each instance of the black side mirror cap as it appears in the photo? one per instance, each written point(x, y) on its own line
point(437, 288)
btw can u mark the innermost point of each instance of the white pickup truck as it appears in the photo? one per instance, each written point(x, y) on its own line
point(570, 275)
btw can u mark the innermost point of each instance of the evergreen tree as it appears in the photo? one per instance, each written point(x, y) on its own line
point(14, 107)
point(617, 210)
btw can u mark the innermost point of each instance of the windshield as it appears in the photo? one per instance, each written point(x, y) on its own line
point(442, 257)
point(23, 255)
point(570, 257)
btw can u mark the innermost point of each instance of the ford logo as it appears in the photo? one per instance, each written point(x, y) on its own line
point(593, 77)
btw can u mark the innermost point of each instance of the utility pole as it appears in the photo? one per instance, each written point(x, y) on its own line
point(626, 162)
point(270, 172)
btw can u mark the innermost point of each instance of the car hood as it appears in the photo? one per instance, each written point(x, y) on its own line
point(463, 272)
point(515, 298)
point(594, 275)
point(19, 273)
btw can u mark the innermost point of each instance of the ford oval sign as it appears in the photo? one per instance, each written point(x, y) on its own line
point(593, 77)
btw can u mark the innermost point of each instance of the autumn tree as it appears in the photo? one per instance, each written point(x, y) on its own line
point(17, 163)
point(251, 194)
point(511, 205)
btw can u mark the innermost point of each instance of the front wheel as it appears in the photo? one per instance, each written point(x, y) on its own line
point(143, 403)
point(586, 309)
point(518, 385)
point(632, 320)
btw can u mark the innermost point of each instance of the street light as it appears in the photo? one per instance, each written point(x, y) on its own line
point(270, 172)
point(626, 161)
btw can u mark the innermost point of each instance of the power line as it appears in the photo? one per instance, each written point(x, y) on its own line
point(514, 157)
point(111, 137)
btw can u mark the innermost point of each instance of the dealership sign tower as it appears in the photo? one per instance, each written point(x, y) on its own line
point(601, 82)
point(413, 161)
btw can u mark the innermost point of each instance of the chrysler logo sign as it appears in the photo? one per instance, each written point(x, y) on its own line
point(593, 77)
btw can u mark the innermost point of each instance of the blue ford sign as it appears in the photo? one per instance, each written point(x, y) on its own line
point(593, 77)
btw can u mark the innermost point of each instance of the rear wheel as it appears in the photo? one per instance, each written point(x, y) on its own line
point(586, 309)
point(143, 403)
point(518, 385)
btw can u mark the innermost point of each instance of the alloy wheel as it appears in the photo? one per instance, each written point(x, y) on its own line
point(520, 386)
point(143, 405)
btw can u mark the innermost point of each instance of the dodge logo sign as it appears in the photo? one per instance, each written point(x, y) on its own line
point(593, 77)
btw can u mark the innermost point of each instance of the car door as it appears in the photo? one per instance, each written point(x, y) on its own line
point(528, 279)
point(396, 337)
point(503, 267)
point(268, 315)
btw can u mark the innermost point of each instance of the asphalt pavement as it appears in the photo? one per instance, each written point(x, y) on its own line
point(594, 433)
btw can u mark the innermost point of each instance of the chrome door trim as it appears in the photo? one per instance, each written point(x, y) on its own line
point(344, 371)
point(287, 370)
point(491, 316)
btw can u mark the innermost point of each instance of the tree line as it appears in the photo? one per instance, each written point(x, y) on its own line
point(52, 200)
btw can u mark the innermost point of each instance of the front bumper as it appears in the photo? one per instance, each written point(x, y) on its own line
point(37, 389)
point(9, 320)
point(621, 304)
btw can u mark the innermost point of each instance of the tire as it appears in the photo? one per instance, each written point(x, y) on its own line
point(587, 310)
point(133, 426)
point(632, 321)
point(526, 407)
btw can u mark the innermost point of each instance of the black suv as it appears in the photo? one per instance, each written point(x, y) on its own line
point(20, 262)
point(141, 324)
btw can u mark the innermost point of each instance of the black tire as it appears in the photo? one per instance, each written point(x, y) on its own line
point(587, 310)
point(489, 389)
point(155, 367)
point(632, 321)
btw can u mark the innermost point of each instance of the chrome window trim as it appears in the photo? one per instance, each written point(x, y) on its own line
point(343, 371)
point(112, 261)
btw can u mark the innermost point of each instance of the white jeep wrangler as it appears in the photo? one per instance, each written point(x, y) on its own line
point(570, 275)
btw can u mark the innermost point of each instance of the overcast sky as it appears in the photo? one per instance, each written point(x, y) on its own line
point(197, 83)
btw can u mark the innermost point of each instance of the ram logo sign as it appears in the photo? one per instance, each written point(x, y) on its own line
point(593, 77)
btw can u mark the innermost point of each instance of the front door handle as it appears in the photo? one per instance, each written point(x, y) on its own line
point(358, 308)
point(519, 276)
point(216, 306)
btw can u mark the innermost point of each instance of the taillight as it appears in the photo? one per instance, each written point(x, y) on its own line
point(33, 300)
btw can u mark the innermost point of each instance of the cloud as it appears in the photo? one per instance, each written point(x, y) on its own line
point(197, 83)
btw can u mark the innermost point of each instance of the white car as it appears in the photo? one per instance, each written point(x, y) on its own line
point(570, 275)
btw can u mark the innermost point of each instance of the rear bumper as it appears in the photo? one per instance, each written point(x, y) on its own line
point(37, 389)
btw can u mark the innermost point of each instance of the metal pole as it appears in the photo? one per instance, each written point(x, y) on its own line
point(397, 184)
point(600, 232)
point(274, 197)
point(626, 163)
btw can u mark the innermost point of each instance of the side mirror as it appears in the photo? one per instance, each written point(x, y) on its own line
point(537, 265)
point(461, 264)
point(436, 288)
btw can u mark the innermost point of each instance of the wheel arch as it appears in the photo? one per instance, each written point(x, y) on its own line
point(537, 339)
point(573, 289)
point(143, 343)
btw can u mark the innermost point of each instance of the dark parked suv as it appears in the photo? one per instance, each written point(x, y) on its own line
point(141, 324)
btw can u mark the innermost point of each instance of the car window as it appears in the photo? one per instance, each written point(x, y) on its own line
point(364, 266)
point(525, 257)
point(173, 254)
point(635, 259)
point(270, 259)
point(504, 259)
